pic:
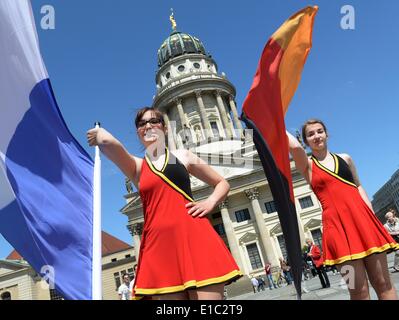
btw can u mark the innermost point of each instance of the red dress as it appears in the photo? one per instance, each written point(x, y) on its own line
point(177, 251)
point(350, 229)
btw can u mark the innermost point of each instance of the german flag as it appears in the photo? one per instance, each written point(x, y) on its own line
point(276, 80)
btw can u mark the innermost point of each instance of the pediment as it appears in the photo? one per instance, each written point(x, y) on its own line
point(312, 224)
point(248, 237)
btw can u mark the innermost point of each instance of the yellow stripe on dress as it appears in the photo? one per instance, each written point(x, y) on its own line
point(332, 173)
point(189, 284)
point(385, 247)
point(165, 178)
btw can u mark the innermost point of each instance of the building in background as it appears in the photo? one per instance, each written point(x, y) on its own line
point(387, 197)
point(18, 280)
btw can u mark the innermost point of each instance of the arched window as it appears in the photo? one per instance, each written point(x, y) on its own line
point(6, 296)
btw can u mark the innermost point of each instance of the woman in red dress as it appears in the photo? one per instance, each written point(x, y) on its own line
point(353, 237)
point(181, 255)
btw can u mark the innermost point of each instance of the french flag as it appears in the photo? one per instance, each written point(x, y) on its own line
point(46, 177)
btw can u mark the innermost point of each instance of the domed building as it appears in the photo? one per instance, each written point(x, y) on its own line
point(198, 102)
point(200, 110)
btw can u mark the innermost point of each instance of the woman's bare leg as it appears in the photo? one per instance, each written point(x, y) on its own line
point(377, 271)
point(212, 292)
point(171, 296)
point(354, 274)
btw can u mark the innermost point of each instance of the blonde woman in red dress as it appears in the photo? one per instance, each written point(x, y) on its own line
point(181, 255)
point(353, 237)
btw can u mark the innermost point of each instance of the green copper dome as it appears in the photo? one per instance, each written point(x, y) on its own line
point(178, 44)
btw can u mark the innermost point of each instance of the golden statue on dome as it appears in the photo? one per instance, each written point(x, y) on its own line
point(172, 20)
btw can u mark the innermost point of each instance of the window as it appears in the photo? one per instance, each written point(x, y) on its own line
point(316, 235)
point(254, 257)
point(270, 207)
point(114, 260)
point(167, 75)
point(283, 248)
point(220, 229)
point(117, 280)
point(215, 129)
point(181, 68)
point(197, 65)
point(306, 202)
point(216, 215)
point(242, 215)
point(54, 295)
point(127, 256)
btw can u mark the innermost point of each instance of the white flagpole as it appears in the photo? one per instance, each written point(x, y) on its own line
point(97, 255)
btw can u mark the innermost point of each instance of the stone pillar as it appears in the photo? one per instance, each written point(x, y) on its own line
point(186, 132)
point(277, 245)
point(301, 230)
point(180, 111)
point(204, 118)
point(253, 196)
point(231, 237)
point(136, 231)
point(170, 137)
point(223, 114)
point(236, 119)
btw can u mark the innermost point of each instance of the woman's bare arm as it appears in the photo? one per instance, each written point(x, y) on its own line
point(352, 167)
point(201, 170)
point(115, 151)
point(302, 162)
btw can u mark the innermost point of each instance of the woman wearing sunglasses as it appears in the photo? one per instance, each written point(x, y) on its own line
point(181, 255)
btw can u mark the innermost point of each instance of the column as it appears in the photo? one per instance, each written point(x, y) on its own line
point(253, 196)
point(236, 119)
point(204, 118)
point(183, 121)
point(170, 136)
point(231, 237)
point(277, 245)
point(302, 235)
point(180, 111)
point(223, 114)
point(136, 231)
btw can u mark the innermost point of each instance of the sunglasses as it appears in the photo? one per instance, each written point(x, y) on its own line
point(152, 121)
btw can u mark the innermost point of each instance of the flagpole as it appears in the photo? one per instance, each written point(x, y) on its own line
point(97, 256)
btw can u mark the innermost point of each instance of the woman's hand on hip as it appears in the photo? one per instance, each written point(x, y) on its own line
point(200, 209)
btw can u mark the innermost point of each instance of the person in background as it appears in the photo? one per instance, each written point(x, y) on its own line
point(123, 290)
point(269, 275)
point(286, 271)
point(392, 226)
point(315, 255)
point(255, 284)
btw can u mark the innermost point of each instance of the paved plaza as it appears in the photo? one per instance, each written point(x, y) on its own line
point(337, 291)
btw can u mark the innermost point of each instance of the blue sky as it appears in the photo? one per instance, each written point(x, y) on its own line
point(101, 59)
